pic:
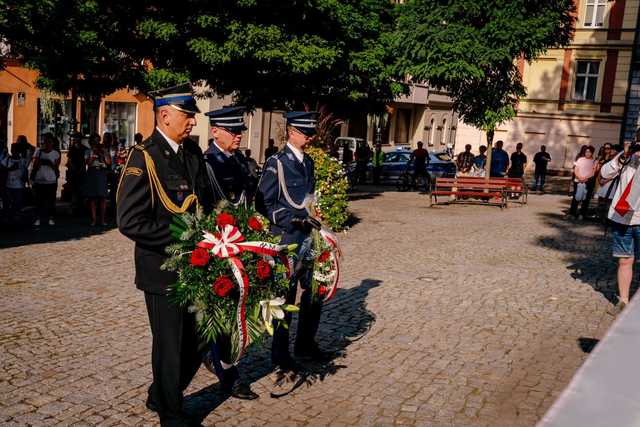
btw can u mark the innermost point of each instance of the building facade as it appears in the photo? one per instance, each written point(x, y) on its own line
point(26, 110)
point(575, 96)
point(425, 115)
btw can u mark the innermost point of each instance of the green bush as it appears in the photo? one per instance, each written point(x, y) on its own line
point(331, 188)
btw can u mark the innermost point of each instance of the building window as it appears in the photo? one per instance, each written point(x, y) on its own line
point(443, 134)
point(594, 14)
point(586, 80)
point(54, 116)
point(432, 133)
point(120, 120)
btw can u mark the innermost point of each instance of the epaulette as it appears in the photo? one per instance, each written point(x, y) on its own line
point(140, 147)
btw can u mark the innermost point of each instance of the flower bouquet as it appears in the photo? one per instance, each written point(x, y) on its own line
point(229, 275)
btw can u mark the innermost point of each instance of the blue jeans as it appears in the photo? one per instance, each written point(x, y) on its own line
point(625, 240)
point(539, 181)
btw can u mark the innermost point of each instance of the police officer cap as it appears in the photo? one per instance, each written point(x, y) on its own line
point(304, 121)
point(179, 97)
point(231, 118)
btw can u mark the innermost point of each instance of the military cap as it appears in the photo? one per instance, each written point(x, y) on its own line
point(179, 97)
point(231, 118)
point(304, 121)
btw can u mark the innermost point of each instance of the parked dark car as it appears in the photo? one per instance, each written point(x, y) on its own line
point(396, 163)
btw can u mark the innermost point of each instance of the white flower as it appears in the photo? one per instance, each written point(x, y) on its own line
point(274, 309)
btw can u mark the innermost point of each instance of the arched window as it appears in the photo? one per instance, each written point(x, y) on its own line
point(432, 133)
point(443, 134)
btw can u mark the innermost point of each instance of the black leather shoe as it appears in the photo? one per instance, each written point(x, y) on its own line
point(151, 405)
point(243, 391)
point(313, 353)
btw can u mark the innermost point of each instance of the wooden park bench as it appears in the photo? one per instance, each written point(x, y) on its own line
point(467, 189)
point(515, 188)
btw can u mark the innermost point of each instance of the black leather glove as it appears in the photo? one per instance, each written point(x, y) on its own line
point(306, 224)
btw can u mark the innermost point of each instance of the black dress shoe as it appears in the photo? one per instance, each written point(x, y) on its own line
point(151, 405)
point(243, 391)
point(313, 353)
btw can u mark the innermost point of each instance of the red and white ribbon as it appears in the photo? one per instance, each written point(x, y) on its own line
point(332, 240)
point(228, 243)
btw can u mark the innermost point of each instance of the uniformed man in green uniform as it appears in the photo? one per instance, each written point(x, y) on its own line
point(165, 176)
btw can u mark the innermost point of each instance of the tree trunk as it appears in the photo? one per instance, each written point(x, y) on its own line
point(487, 166)
point(74, 111)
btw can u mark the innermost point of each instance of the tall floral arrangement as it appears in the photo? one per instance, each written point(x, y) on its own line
point(331, 189)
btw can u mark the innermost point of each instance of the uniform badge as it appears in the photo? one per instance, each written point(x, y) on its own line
point(133, 171)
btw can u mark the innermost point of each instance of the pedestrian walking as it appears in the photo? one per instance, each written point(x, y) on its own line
point(499, 161)
point(420, 157)
point(17, 176)
point(77, 171)
point(44, 176)
point(541, 161)
point(175, 165)
point(624, 214)
point(362, 155)
point(229, 173)
point(584, 171)
point(464, 162)
point(96, 192)
point(518, 162)
point(378, 162)
point(285, 192)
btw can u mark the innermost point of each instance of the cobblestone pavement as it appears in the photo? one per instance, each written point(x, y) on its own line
point(454, 315)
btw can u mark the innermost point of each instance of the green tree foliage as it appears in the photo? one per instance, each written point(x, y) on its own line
point(271, 53)
point(84, 45)
point(470, 48)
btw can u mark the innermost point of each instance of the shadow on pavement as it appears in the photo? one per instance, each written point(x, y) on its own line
point(346, 319)
point(587, 344)
point(66, 228)
point(588, 256)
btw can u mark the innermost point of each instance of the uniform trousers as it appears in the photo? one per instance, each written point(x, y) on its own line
point(175, 358)
point(308, 317)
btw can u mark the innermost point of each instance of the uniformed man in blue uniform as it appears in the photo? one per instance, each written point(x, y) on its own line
point(165, 175)
point(229, 175)
point(285, 193)
point(228, 168)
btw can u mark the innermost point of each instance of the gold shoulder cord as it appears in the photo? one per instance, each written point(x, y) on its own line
point(156, 185)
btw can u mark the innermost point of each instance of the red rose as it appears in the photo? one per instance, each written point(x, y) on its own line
point(225, 219)
point(199, 257)
point(222, 286)
point(324, 256)
point(263, 269)
point(254, 224)
point(322, 290)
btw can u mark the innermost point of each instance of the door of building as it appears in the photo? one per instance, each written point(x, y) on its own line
point(5, 101)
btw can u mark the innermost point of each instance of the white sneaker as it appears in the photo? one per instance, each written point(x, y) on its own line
point(52, 222)
point(36, 223)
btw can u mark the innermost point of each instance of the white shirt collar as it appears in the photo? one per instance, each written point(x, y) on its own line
point(174, 145)
point(296, 151)
point(226, 153)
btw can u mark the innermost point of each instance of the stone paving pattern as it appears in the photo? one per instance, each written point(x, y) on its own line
point(449, 316)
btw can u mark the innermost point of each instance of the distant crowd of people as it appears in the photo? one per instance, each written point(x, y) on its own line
point(30, 176)
point(503, 165)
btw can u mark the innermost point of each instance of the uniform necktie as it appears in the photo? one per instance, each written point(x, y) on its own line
point(180, 154)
